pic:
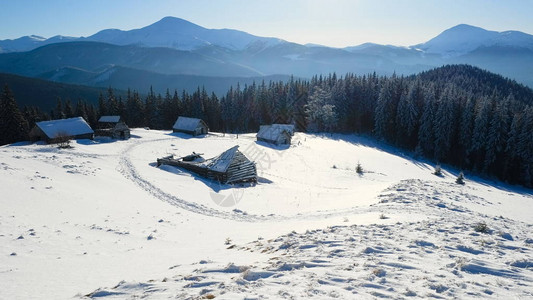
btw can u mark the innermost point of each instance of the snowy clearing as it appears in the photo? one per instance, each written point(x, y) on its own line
point(101, 220)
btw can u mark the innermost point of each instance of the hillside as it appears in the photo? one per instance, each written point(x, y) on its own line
point(44, 94)
point(477, 81)
point(120, 227)
point(123, 78)
point(94, 56)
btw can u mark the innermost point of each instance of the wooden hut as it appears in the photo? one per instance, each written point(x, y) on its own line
point(288, 127)
point(58, 130)
point(277, 134)
point(190, 126)
point(114, 127)
point(229, 167)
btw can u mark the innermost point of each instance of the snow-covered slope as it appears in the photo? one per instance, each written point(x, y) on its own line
point(27, 43)
point(101, 220)
point(462, 39)
point(180, 34)
point(24, 43)
point(169, 32)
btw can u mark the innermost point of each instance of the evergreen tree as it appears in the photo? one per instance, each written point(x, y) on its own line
point(112, 103)
point(81, 110)
point(383, 113)
point(443, 125)
point(58, 112)
point(426, 134)
point(497, 136)
point(68, 110)
point(320, 112)
point(407, 116)
point(466, 129)
point(102, 107)
point(480, 133)
point(13, 125)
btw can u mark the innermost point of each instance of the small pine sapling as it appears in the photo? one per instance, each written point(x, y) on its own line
point(359, 169)
point(460, 179)
point(481, 227)
point(438, 171)
point(63, 140)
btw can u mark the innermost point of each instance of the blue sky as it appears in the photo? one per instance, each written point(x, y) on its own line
point(336, 23)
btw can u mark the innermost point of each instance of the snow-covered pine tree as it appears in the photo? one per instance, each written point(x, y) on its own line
point(320, 112)
point(497, 135)
point(426, 133)
point(466, 128)
point(438, 170)
point(359, 169)
point(460, 179)
point(444, 124)
point(383, 111)
point(480, 132)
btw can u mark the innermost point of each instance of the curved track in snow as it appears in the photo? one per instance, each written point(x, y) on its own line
point(417, 190)
point(128, 170)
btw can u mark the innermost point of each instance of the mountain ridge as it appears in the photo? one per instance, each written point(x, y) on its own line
point(176, 46)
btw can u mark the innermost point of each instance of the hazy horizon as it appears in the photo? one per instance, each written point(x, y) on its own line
point(338, 23)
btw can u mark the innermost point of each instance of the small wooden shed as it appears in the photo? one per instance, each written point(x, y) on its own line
point(59, 130)
point(278, 134)
point(114, 127)
point(192, 126)
point(229, 167)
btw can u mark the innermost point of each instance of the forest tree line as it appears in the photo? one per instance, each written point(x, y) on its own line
point(459, 115)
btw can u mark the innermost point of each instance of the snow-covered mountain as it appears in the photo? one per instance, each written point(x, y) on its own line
point(27, 43)
point(227, 52)
point(180, 34)
point(169, 32)
point(102, 221)
point(463, 39)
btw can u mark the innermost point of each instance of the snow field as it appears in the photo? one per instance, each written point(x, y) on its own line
point(78, 221)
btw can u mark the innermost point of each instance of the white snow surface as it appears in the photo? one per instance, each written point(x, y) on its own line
point(101, 221)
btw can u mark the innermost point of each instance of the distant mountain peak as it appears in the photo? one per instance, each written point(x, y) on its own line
point(464, 38)
point(172, 22)
point(462, 27)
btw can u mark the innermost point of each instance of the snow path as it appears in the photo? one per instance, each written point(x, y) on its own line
point(128, 170)
point(412, 187)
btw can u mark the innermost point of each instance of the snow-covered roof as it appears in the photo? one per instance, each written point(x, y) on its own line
point(272, 132)
point(222, 162)
point(70, 127)
point(109, 119)
point(185, 123)
point(288, 127)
